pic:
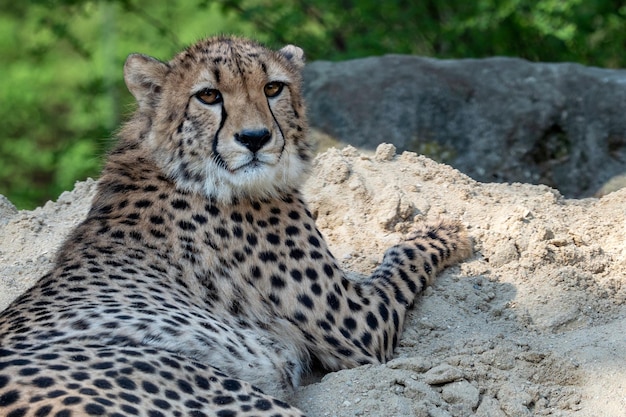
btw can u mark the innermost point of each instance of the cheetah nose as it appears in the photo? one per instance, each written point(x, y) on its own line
point(253, 139)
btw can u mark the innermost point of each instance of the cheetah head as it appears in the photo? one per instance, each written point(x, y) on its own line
point(226, 117)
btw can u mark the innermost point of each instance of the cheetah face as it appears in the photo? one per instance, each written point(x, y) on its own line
point(226, 117)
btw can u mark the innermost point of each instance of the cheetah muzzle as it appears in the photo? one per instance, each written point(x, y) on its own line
point(199, 274)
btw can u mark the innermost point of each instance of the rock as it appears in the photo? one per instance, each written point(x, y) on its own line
point(462, 393)
point(503, 254)
point(415, 364)
point(514, 401)
point(438, 412)
point(7, 210)
point(385, 152)
point(489, 407)
point(29, 239)
point(442, 374)
point(616, 183)
point(495, 119)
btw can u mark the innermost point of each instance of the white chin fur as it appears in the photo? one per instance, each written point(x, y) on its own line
point(265, 180)
point(260, 181)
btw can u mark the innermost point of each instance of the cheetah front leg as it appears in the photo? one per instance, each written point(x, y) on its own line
point(366, 329)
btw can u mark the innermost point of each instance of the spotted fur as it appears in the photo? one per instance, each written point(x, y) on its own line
point(199, 274)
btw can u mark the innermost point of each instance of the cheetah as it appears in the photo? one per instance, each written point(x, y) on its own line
point(198, 284)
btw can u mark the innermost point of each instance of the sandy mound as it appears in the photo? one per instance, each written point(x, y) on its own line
point(533, 324)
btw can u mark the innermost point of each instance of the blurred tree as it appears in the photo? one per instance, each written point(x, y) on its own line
point(588, 32)
point(62, 93)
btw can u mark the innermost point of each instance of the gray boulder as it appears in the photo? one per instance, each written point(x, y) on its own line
point(496, 119)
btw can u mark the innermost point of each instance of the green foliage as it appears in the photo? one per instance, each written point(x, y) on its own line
point(589, 32)
point(62, 93)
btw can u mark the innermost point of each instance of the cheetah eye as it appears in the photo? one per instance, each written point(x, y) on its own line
point(209, 96)
point(273, 88)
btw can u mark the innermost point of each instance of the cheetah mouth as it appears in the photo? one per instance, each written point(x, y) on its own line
point(249, 165)
point(254, 164)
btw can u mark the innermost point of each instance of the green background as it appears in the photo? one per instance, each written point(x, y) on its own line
point(62, 94)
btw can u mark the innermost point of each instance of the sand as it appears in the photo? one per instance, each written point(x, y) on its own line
point(532, 325)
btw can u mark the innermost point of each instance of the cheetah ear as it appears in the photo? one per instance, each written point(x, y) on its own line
point(144, 77)
point(294, 54)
